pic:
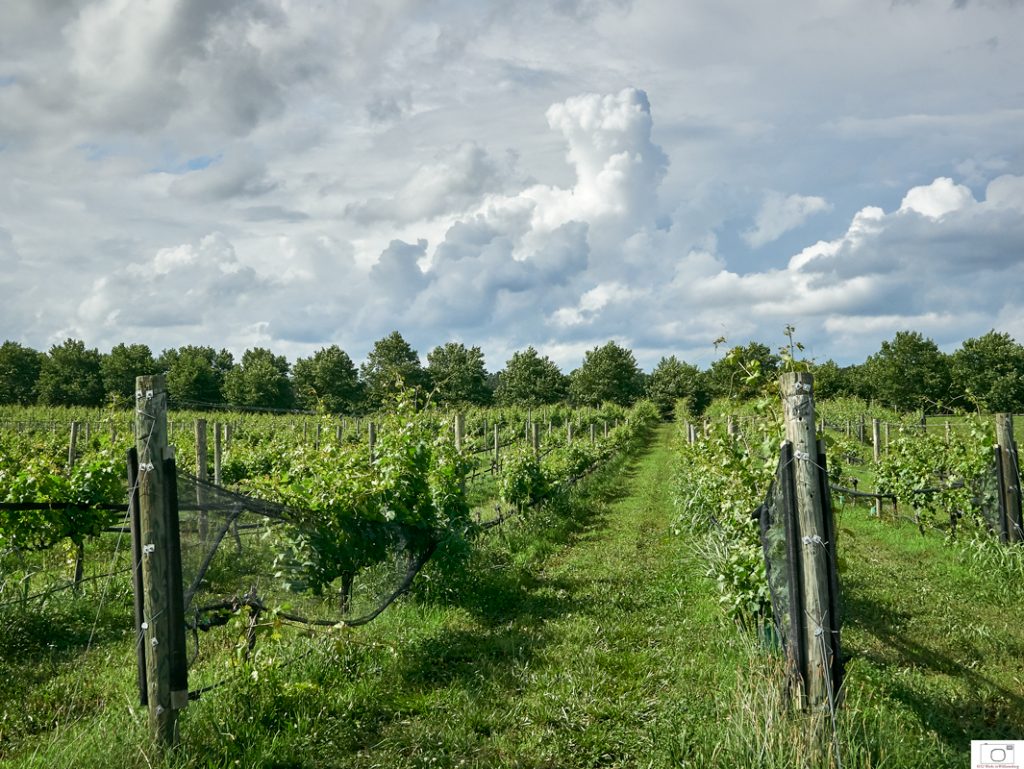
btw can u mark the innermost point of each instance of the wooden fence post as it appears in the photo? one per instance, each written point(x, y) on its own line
point(535, 438)
point(1010, 491)
point(460, 430)
point(820, 636)
point(876, 440)
point(163, 625)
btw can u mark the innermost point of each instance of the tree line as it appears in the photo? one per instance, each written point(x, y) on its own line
point(907, 373)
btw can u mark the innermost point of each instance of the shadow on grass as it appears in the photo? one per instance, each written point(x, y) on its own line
point(993, 708)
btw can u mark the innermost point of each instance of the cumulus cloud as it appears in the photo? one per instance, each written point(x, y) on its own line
point(781, 213)
point(452, 182)
point(937, 199)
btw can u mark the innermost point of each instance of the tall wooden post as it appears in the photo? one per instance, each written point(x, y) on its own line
point(1011, 496)
point(876, 440)
point(371, 435)
point(535, 438)
point(460, 430)
point(814, 533)
point(162, 626)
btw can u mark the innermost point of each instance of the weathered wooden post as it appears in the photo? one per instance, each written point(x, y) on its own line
point(1010, 492)
point(568, 433)
point(819, 628)
point(876, 440)
point(163, 627)
point(371, 435)
point(535, 438)
point(460, 430)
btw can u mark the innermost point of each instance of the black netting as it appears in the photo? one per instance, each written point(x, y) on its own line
point(239, 555)
point(775, 543)
point(986, 497)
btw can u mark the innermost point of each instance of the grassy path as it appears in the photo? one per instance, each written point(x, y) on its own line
point(606, 650)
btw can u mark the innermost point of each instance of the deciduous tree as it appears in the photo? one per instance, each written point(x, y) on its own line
point(989, 371)
point(259, 381)
point(70, 375)
point(392, 366)
point(530, 379)
point(329, 380)
point(609, 374)
point(458, 374)
point(119, 369)
point(19, 373)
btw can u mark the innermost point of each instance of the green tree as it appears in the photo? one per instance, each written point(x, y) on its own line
point(119, 369)
point(743, 370)
point(19, 373)
point(530, 379)
point(327, 379)
point(910, 373)
point(674, 380)
point(259, 381)
point(71, 376)
point(458, 374)
point(195, 375)
point(609, 374)
point(989, 371)
point(392, 366)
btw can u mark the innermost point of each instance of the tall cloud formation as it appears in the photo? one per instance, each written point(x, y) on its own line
point(291, 175)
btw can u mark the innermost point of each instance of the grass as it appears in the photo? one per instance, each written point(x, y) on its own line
point(582, 635)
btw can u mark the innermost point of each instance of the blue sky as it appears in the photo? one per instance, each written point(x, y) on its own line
point(557, 174)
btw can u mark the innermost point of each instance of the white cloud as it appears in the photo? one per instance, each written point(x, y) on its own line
point(937, 199)
point(781, 213)
point(224, 172)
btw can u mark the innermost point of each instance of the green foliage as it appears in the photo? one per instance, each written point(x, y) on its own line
point(30, 472)
point(458, 375)
point(260, 381)
point(673, 381)
point(933, 476)
point(608, 374)
point(328, 381)
point(910, 373)
point(718, 481)
point(195, 375)
point(989, 370)
point(531, 380)
point(742, 372)
point(71, 376)
point(391, 368)
point(119, 369)
point(522, 480)
point(19, 373)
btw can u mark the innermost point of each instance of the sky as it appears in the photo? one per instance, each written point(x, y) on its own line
point(293, 174)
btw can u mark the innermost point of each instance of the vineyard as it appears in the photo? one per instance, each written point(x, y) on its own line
point(514, 567)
